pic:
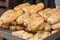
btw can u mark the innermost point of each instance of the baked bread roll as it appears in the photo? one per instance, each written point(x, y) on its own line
point(30, 18)
point(10, 15)
point(34, 23)
point(56, 10)
point(54, 18)
point(56, 26)
point(29, 9)
point(34, 8)
point(19, 7)
point(27, 35)
point(45, 34)
point(20, 19)
point(40, 36)
point(22, 34)
point(39, 7)
point(45, 13)
point(37, 36)
point(41, 27)
point(16, 27)
point(47, 27)
point(18, 33)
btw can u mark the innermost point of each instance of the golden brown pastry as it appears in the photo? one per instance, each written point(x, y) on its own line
point(39, 7)
point(40, 36)
point(54, 18)
point(45, 13)
point(56, 26)
point(34, 23)
point(19, 7)
point(18, 33)
point(5, 26)
point(26, 21)
point(12, 28)
point(30, 18)
point(27, 35)
point(16, 27)
point(29, 9)
point(37, 36)
point(41, 27)
point(44, 26)
point(45, 34)
point(53, 11)
point(23, 34)
point(56, 10)
point(10, 15)
point(19, 27)
point(21, 18)
point(34, 8)
point(47, 27)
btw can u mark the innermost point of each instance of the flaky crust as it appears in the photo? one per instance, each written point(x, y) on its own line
point(23, 34)
point(21, 18)
point(34, 24)
point(10, 15)
point(46, 13)
point(54, 18)
point(40, 36)
point(34, 8)
point(56, 26)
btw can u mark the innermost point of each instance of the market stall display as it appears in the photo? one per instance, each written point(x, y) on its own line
point(31, 22)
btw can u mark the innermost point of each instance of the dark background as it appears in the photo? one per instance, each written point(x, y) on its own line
point(48, 3)
point(12, 3)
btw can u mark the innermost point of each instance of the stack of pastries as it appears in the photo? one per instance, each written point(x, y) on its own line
point(32, 22)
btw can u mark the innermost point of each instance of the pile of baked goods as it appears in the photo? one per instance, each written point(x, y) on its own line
point(32, 22)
